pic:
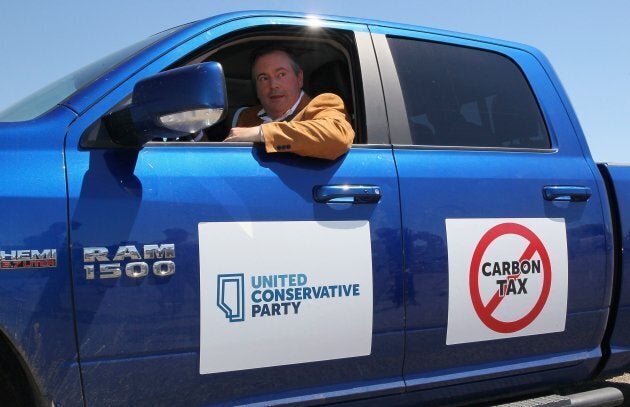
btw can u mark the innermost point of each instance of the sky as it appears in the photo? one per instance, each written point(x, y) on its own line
point(586, 42)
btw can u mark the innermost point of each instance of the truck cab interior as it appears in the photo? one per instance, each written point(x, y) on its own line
point(326, 57)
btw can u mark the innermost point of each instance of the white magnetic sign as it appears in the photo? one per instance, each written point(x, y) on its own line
point(506, 278)
point(279, 293)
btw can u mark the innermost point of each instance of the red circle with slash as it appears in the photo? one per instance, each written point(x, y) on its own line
point(485, 311)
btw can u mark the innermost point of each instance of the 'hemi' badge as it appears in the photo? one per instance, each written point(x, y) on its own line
point(25, 259)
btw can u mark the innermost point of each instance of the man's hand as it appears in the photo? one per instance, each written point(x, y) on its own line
point(245, 134)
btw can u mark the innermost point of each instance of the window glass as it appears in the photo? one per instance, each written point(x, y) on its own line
point(457, 96)
point(46, 98)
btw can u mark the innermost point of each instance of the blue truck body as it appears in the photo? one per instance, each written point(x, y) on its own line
point(102, 294)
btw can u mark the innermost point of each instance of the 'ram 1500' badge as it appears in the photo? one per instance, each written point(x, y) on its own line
point(25, 259)
point(128, 258)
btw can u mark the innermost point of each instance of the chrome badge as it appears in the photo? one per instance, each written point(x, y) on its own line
point(153, 259)
point(26, 259)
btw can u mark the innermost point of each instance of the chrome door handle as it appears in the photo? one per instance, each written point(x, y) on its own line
point(566, 193)
point(358, 194)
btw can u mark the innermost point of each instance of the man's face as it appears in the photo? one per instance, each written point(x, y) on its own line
point(277, 85)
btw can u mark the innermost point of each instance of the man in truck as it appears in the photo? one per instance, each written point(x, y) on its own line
point(287, 119)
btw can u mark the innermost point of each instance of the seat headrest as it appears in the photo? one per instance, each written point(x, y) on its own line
point(332, 77)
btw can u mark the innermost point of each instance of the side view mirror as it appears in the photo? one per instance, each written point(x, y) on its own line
point(171, 104)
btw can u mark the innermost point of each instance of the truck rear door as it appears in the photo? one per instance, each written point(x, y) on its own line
point(208, 272)
point(507, 266)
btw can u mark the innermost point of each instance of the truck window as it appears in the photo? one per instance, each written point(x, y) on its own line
point(48, 97)
point(458, 96)
point(325, 59)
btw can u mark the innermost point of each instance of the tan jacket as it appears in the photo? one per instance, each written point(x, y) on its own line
point(321, 128)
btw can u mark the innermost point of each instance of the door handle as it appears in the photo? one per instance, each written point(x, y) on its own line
point(358, 194)
point(566, 193)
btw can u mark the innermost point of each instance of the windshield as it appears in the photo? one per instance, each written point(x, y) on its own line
point(46, 98)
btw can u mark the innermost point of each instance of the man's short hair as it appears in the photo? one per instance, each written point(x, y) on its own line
point(268, 49)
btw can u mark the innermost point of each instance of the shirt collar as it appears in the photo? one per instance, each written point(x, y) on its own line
point(262, 115)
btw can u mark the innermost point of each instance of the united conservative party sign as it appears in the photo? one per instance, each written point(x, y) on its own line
point(302, 291)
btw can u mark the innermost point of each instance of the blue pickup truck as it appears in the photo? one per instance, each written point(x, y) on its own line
point(467, 249)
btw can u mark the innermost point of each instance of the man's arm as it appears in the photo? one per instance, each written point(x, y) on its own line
point(321, 130)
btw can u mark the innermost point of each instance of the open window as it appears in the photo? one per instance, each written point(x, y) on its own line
point(327, 57)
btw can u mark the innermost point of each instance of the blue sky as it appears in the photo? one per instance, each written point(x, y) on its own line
point(586, 41)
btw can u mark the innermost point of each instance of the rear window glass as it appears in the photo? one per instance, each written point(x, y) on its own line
point(458, 96)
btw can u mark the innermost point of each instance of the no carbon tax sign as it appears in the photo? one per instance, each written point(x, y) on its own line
point(507, 278)
point(510, 276)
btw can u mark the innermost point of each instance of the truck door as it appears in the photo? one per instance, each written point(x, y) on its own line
point(505, 254)
point(208, 272)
